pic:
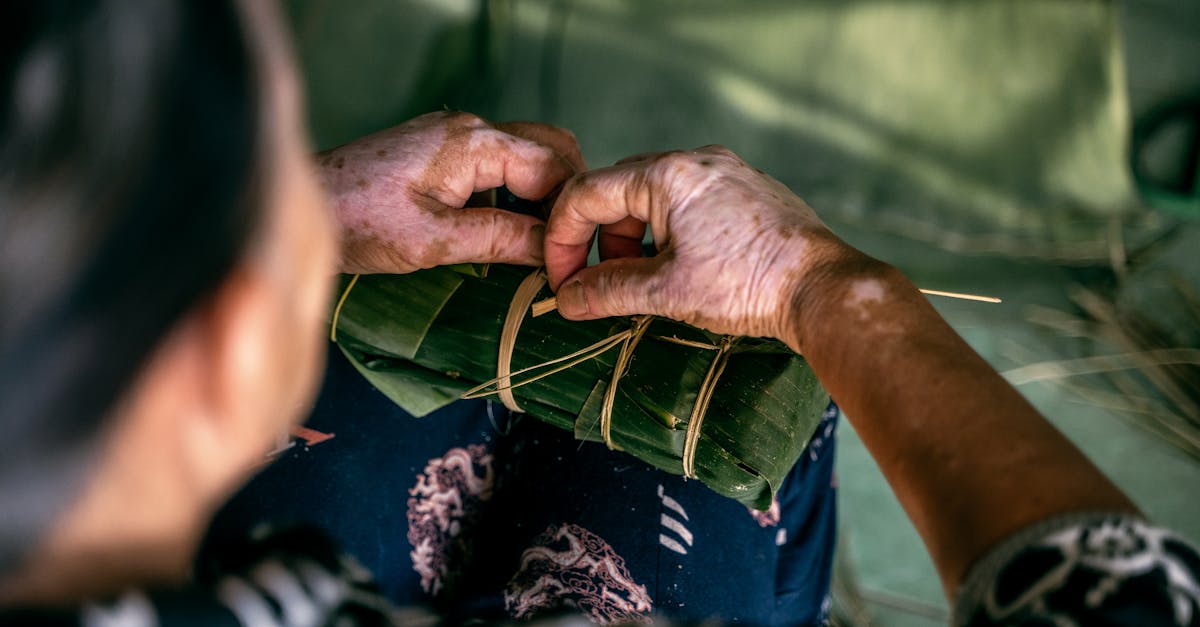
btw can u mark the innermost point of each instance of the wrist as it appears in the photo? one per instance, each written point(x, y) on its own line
point(831, 291)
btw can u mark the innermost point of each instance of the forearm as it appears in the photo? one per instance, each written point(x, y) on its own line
point(969, 458)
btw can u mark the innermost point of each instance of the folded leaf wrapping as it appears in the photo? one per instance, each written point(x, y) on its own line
point(425, 338)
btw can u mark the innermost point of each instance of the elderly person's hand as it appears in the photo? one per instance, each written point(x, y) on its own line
point(399, 193)
point(740, 254)
point(736, 247)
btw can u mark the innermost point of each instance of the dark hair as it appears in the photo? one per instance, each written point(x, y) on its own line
point(128, 190)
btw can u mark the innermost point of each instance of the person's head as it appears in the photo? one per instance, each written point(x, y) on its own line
point(164, 265)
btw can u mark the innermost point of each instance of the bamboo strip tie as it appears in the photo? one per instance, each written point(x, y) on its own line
point(700, 408)
point(628, 341)
point(521, 300)
point(641, 323)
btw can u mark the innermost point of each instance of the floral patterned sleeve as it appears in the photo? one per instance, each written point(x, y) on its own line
point(1084, 569)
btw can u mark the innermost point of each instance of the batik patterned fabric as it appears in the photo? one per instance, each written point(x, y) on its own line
point(1085, 569)
point(475, 512)
point(569, 566)
point(442, 509)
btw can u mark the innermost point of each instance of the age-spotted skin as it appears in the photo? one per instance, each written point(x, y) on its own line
point(399, 193)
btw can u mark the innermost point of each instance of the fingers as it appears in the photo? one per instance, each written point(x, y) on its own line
point(604, 196)
point(485, 235)
point(617, 287)
point(528, 168)
point(560, 139)
point(622, 238)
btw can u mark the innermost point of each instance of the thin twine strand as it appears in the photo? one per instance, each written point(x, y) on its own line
point(627, 339)
point(682, 342)
point(337, 310)
point(961, 296)
point(572, 360)
point(700, 409)
point(545, 306)
point(517, 308)
point(640, 324)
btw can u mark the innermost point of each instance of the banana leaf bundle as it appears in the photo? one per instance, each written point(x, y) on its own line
point(426, 338)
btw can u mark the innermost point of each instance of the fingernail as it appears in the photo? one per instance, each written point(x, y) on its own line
point(572, 302)
point(537, 237)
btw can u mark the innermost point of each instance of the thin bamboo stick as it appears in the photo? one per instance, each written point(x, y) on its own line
point(543, 307)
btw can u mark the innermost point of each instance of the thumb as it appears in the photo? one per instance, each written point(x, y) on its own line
point(617, 287)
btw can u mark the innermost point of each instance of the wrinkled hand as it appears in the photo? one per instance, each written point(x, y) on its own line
point(735, 246)
point(399, 194)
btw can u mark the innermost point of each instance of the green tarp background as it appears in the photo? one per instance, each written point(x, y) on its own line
point(986, 126)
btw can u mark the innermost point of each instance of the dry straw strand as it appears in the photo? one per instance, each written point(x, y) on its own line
point(337, 310)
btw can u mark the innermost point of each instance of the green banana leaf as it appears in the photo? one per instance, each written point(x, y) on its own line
point(425, 338)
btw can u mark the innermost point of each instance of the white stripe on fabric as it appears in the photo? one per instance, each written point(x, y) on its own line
point(298, 609)
point(328, 589)
point(131, 610)
point(672, 504)
point(671, 543)
point(353, 571)
point(677, 527)
point(251, 609)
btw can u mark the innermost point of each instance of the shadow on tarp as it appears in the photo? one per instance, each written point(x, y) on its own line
point(990, 127)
